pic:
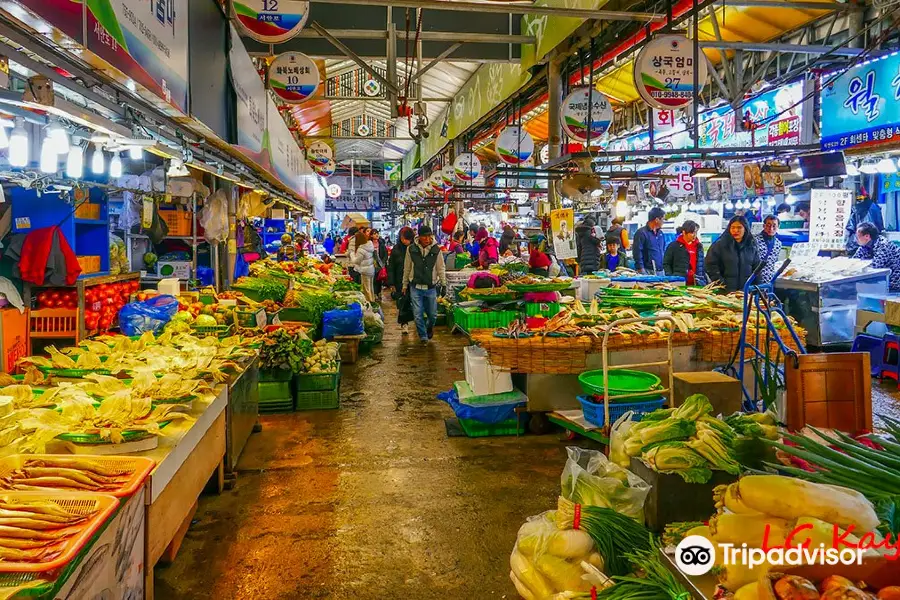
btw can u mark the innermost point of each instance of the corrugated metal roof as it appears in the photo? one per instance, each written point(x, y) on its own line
point(441, 81)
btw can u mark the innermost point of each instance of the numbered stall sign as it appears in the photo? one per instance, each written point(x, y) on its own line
point(270, 21)
point(574, 114)
point(326, 169)
point(682, 184)
point(514, 145)
point(664, 72)
point(293, 77)
point(448, 177)
point(467, 166)
point(318, 153)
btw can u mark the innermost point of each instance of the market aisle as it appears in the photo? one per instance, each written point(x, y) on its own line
point(372, 501)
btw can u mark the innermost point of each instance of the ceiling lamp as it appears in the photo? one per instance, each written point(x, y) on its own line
point(18, 145)
point(75, 162)
point(49, 156)
point(756, 204)
point(177, 169)
point(720, 176)
point(704, 172)
point(791, 199)
point(886, 166)
point(58, 137)
point(135, 153)
point(770, 201)
point(729, 205)
point(868, 167)
point(98, 163)
point(115, 166)
point(852, 170)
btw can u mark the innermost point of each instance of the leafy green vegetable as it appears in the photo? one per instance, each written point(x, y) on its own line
point(693, 408)
point(668, 429)
point(285, 349)
point(267, 288)
point(345, 285)
point(678, 457)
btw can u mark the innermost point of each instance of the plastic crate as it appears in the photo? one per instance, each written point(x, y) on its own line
point(593, 411)
point(249, 293)
point(178, 221)
point(274, 390)
point(276, 406)
point(318, 382)
point(57, 322)
point(473, 318)
point(317, 400)
point(87, 210)
point(89, 264)
point(473, 428)
point(544, 309)
point(221, 331)
point(275, 375)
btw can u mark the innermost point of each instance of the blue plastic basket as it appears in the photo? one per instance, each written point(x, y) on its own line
point(593, 412)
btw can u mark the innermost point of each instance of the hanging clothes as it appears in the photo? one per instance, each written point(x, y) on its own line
point(44, 257)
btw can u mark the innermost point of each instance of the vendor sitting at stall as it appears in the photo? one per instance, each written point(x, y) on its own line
point(613, 259)
point(684, 256)
point(287, 250)
point(882, 253)
point(768, 246)
point(538, 261)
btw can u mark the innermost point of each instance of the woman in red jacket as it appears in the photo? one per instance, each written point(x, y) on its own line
point(538, 261)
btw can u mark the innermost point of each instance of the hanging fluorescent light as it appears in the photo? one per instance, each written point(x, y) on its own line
point(4, 137)
point(18, 145)
point(704, 172)
point(791, 199)
point(770, 201)
point(49, 157)
point(75, 162)
point(135, 153)
point(729, 205)
point(59, 138)
point(720, 176)
point(852, 170)
point(115, 166)
point(98, 163)
point(868, 167)
point(886, 166)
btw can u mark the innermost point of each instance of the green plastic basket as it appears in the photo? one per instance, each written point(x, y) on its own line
point(474, 294)
point(274, 390)
point(544, 309)
point(220, 331)
point(94, 438)
point(474, 318)
point(246, 318)
point(317, 400)
point(318, 382)
point(294, 313)
point(621, 381)
point(249, 293)
point(275, 374)
point(276, 406)
point(539, 287)
point(475, 428)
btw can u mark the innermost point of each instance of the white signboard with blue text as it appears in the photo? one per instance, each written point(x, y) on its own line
point(861, 105)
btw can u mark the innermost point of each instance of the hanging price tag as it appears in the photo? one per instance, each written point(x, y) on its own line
point(147, 212)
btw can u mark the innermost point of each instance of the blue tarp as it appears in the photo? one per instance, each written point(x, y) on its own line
point(485, 413)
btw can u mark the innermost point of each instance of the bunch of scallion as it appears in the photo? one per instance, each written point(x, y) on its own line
point(655, 582)
point(614, 533)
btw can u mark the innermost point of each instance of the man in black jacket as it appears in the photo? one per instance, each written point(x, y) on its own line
point(395, 278)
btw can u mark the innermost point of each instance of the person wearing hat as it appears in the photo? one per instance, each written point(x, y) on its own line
point(423, 271)
point(287, 250)
point(538, 261)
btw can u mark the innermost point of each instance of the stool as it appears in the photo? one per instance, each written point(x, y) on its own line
point(872, 344)
point(891, 368)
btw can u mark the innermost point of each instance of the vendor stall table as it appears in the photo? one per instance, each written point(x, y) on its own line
point(573, 421)
point(242, 412)
point(827, 310)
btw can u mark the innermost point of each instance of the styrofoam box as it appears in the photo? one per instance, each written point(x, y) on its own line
point(170, 286)
point(482, 377)
point(589, 287)
point(179, 268)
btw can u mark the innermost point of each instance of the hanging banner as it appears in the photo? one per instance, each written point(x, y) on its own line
point(491, 84)
point(318, 153)
point(326, 169)
point(663, 120)
point(147, 40)
point(550, 31)
point(514, 145)
point(562, 228)
point(860, 107)
point(293, 77)
point(774, 118)
point(392, 171)
point(250, 92)
point(270, 21)
point(65, 15)
point(682, 184)
point(435, 183)
point(467, 167)
point(448, 177)
point(284, 153)
point(573, 115)
point(664, 72)
point(829, 212)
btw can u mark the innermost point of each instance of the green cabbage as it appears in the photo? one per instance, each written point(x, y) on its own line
point(678, 457)
point(669, 429)
point(693, 408)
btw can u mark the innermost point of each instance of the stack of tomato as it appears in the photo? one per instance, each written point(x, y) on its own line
point(58, 298)
point(102, 303)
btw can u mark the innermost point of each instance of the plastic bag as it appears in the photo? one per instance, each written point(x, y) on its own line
point(483, 413)
point(590, 478)
point(547, 561)
point(617, 435)
point(343, 322)
point(214, 218)
point(150, 315)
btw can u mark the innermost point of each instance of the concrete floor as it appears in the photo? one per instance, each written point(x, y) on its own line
point(372, 501)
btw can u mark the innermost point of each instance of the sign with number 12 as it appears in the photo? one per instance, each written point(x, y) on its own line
point(271, 21)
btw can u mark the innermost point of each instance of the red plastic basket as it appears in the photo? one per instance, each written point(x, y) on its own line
point(139, 468)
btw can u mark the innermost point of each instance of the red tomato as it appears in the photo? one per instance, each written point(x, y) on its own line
point(53, 295)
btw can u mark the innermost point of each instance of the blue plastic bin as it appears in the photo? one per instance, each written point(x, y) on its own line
point(593, 412)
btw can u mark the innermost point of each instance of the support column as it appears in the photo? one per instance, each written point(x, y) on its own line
point(555, 90)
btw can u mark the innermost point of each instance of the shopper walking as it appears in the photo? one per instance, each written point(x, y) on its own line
point(364, 263)
point(684, 256)
point(882, 253)
point(589, 247)
point(423, 271)
point(768, 246)
point(395, 278)
point(489, 252)
point(732, 258)
point(650, 244)
point(328, 244)
point(381, 260)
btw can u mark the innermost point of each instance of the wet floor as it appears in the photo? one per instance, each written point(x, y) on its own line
point(372, 501)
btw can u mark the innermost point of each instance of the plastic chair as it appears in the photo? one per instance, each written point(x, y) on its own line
point(872, 344)
point(890, 363)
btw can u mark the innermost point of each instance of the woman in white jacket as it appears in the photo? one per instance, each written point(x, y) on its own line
point(363, 261)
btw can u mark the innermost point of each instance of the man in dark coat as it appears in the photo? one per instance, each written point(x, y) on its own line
point(649, 243)
point(865, 210)
point(684, 256)
point(395, 278)
point(768, 246)
point(589, 247)
point(732, 258)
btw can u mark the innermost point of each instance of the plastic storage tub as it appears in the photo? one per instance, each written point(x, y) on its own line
point(483, 378)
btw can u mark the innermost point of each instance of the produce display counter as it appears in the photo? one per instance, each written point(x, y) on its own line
point(241, 413)
point(189, 453)
point(827, 310)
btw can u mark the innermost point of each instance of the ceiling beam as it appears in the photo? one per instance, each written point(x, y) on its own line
point(782, 48)
point(507, 8)
point(435, 61)
point(382, 100)
point(354, 57)
point(829, 6)
point(425, 36)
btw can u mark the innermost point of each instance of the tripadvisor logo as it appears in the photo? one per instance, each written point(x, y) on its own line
point(695, 555)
